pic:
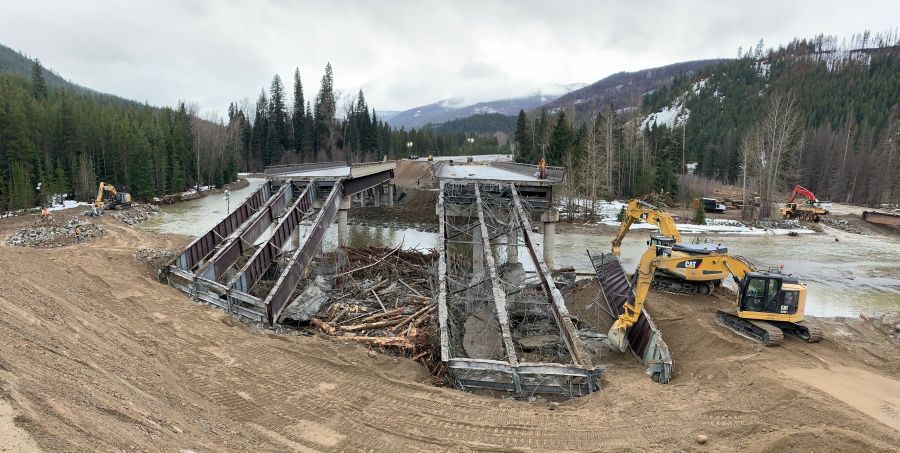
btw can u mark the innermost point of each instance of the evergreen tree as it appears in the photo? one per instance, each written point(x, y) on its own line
point(523, 136)
point(260, 139)
point(325, 110)
point(562, 140)
point(309, 129)
point(278, 132)
point(38, 84)
point(299, 111)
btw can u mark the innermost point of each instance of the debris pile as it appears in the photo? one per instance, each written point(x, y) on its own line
point(382, 298)
point(842, 225)
point(660, 199)
point(49, 235)
point(137, 213)
point(156, 257)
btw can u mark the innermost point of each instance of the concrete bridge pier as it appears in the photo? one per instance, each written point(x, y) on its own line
point(512, 247)
point(549, 217)
point(390, 194)
point(343, 229)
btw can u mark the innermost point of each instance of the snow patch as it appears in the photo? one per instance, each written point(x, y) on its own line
point(674, 114)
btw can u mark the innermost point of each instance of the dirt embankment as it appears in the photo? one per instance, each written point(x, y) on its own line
point(414, 174)
point(415, 209)
point(96, 355)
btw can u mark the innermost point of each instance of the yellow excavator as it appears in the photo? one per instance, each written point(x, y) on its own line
point(110, 198)
point(693, 268)
point(769, 303)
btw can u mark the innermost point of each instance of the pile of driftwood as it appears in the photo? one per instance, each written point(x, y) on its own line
point(382, 298)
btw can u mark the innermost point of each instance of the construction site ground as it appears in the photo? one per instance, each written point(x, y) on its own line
point(96, 355)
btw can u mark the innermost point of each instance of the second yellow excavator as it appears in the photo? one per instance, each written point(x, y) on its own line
point(110, 198)
point(693, 269)
point(769, 303)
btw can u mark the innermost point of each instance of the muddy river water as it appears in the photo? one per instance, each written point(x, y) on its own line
point(854, 275)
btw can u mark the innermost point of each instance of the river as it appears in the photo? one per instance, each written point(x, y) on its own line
point(855, 275)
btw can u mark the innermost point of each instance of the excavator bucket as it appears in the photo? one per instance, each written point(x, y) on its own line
point(617, 337)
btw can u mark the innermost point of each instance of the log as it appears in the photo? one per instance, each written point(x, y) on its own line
point(400, 342)
point(411, 318)
point(379, 300)
point(411, 289)
point(376, 316)
point(324, 326)
point(372, 325)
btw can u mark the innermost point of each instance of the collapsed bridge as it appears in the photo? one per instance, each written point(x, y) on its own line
point(502, 323)
point(251, 262)
point(497, 332)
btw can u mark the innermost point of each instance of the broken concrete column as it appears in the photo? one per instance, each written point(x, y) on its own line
point(549, 217)
point(477, 251)
point(390, 194)
point(343, 230)
point(512, 247)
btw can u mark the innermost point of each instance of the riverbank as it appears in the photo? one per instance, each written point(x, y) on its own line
point(193, 194)
point(96, 355)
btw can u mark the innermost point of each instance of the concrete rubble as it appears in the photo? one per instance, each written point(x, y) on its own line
point(309, 302)
point(137, 213)
point(50, 235)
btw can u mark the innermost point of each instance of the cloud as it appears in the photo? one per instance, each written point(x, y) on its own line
point(402, 54)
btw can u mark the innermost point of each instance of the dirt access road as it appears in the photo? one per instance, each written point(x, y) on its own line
point(95, 355)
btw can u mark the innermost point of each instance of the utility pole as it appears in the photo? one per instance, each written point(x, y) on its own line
point(683, 145)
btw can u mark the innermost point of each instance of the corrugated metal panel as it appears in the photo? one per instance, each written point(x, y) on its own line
point(644, 337)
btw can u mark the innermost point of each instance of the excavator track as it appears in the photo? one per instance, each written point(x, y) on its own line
point(807, 333)
point(758, 331)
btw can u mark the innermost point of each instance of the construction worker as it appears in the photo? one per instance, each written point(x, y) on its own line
point(45, 215)
point(78, 235)
point(542, 168)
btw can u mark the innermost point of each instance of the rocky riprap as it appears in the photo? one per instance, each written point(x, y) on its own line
point(55, 235)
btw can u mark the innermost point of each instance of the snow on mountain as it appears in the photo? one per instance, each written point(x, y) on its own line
point(674, 114)
point(453, 108)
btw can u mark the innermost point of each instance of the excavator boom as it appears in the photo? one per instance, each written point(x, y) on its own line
point(800, 190)
point(640, 210)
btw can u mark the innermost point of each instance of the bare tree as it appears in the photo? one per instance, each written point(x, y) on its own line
point(779, 138)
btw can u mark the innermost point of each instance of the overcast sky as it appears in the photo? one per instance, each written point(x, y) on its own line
point(401, 54)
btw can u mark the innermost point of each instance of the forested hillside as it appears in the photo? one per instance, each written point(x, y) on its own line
point(847, 97)
point(622, 90)
point(814, 112)
point(55, 140)
point(14, 63)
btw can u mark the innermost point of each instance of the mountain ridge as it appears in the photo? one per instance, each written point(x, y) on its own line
point(449, 109)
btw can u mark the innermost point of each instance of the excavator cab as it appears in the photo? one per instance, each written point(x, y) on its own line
point(771, 296)
point(663, 243)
